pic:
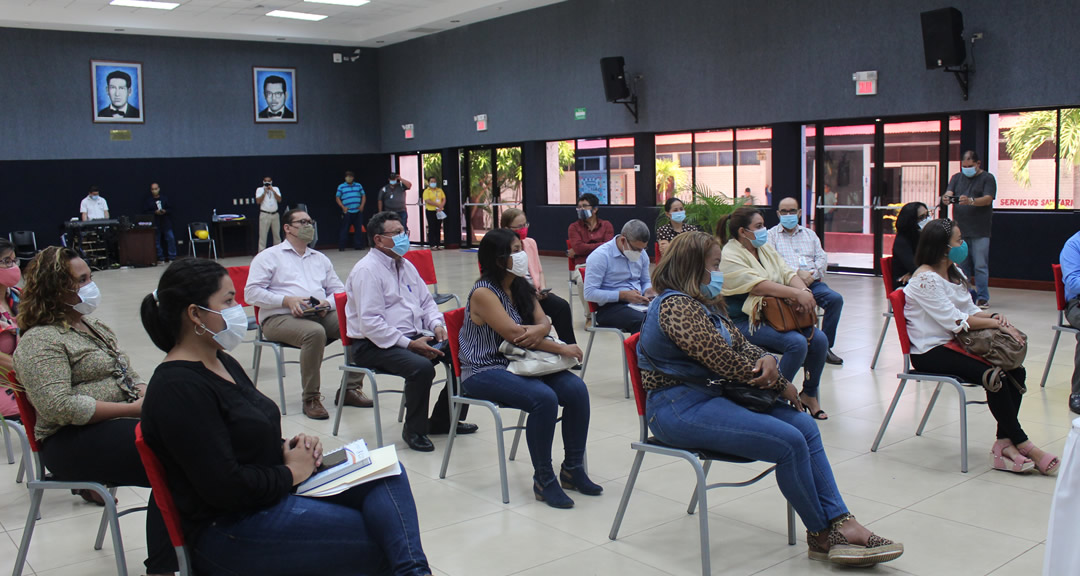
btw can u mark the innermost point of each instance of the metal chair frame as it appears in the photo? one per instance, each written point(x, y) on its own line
point(700, 460)
point(597, 329)
point(887, 278)
point(427, 263)
point(1062, 325)
point(192, 240)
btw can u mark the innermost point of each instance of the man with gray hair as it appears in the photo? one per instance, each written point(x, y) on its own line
point(617, 279)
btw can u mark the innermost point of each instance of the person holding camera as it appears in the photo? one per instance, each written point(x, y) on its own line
point(267, 197)
point(972, 192)
point(293, 286)
point(397, 328)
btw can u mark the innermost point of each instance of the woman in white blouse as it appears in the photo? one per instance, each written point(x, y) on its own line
point(939, 307)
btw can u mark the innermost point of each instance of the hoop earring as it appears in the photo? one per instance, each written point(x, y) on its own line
point(203, 326)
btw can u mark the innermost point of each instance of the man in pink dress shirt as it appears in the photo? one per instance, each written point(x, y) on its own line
point(397, 328)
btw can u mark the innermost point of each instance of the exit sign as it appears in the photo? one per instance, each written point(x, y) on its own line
point(408, 128)
point(865, 83)
point(579, 113)
point(481, 122)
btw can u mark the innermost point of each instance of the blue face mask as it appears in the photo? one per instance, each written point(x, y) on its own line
point(678, 216)
point(761, 236)
point(401, 244)
point(583, 214)
point(392, 182)
point(716, 283)
point(959, 253)
point(968, 171)
point(789, 221)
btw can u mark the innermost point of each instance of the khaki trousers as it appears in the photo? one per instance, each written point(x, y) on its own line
point(273, 222)
point(310, 334)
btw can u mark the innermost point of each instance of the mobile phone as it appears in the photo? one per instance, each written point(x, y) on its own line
point(313, 301)
point(545, 291)
point(954, 200)
point(331, 460)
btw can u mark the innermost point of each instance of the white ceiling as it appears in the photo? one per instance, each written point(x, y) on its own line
point(379, 23)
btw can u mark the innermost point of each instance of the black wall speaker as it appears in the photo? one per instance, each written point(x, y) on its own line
point(943, 40)
point(615, 87)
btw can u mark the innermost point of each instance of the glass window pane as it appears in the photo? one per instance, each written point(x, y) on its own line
point(508, 173)
point(592, 168)
point(848, 161)
point(754, 171)
point(479, 215)
point(715, 177)
point(409, 169)
point(622, 185)
point(1023, 161)
point(912, 159)
point(673, 178)
point(808, 201)
point(1069, 163)
point(561, 172)
point(431, 166)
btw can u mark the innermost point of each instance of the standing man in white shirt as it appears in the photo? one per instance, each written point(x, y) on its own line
point(397, 328)
point(268, 196)
point(94, 207)
point(802, 251)
point(293, 286)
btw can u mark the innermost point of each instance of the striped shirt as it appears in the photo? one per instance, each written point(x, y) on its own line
point(351, 195)
point(479, 345)
point(800, 249)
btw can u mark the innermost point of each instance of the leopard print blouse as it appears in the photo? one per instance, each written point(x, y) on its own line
point(685, 321)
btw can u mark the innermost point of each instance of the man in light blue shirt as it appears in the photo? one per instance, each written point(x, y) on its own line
point(1070, 274)
point(617, 279)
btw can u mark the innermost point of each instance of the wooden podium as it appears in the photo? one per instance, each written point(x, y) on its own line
point(137, 247)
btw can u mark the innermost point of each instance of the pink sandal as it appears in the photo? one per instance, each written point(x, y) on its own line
point(998, 461)
point(1047, 465)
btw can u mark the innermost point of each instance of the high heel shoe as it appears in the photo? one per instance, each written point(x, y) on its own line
point(552, 494)
point(576, 479)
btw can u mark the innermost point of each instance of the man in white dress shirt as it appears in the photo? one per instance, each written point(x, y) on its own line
point(268, 196)
point(293, 286)
point(93, 207)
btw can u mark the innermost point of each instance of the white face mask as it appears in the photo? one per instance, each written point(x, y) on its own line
point(89, 298)
point(520, 267)
point(631, 254)
point(235, 327)
point(924, 222)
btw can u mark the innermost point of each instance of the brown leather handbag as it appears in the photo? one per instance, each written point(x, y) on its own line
point(782, 317)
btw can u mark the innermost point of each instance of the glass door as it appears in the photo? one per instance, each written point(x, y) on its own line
point(493, 178)
point(845, 196)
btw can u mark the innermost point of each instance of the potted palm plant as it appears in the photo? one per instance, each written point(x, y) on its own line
point(706, 208)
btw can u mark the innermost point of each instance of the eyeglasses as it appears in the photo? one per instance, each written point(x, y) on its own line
point(8, 262)
point(302, 222)
point(525, 225)
point(788, 211)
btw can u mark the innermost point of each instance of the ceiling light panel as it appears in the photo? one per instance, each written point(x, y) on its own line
point(352, 3)
point(294, 15)
point(145, 4)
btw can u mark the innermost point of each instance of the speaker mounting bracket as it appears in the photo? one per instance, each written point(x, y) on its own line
point(631, 103)
point(962, 77)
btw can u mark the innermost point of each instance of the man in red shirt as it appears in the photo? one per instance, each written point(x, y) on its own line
point(586, 234)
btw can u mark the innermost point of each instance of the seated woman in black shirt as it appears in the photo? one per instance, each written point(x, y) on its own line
point(231, 473)
point(913, 216)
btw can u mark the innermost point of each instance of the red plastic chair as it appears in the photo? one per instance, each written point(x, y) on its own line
point(700, 460)
point(425, 265)
point(239, 277)
point(887, 278)
point(898, 300)
point(1062, 325)
point(37, 482)
point(160, 489)
point(454, 320)
point(593, 330)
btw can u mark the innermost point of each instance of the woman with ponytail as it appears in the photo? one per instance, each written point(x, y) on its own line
point(231, 473)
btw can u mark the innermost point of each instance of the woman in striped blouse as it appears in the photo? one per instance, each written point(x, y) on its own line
point(503, 306)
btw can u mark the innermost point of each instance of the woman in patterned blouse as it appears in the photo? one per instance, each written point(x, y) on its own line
point(687, 337)
point(87, 396)
point(676, 213)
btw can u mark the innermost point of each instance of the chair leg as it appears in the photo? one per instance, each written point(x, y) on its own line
point(929, 408)
point(588, 349)
point(634, 469)
point(501, 447)
point(341, 401)
point(517, 434)
point(625, 367)
point(117, 539)
point(963, 431)
point(880, 342)
point(22, 471)
point(278, 353)
point(1050, 359)
point(378, 415)
point(100, 539)
point(703, 519)
point(570, 300)
point(7, 442)
point(401, 412)
point(28, 531)
point(888, 415)
point(693, 497)
point(455, 411)
point(790, 524)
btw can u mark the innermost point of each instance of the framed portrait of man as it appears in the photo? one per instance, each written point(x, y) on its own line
point(117, 92)
point(275, 94)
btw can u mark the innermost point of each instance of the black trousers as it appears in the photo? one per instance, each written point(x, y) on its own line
point(419, 373)
point(434, 228)
point(105, 452)
point(1004, 404)
point(559, 311)
point(620, 315)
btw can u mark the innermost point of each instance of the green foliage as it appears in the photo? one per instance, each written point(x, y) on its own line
point(433, 167)
point(705, 210)
point(669, 173)
point(1021, 141)
point(566, 156)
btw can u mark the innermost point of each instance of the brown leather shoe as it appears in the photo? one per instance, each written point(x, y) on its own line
point(313, 409)
point(354, 397)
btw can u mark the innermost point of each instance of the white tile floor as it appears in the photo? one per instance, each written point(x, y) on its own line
point(982, 522)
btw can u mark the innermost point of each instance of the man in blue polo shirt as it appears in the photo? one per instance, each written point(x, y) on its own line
point(351, 199)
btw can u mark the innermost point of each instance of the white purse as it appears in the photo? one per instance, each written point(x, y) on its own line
point(533, 363)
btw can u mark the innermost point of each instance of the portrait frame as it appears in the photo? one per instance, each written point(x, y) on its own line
point(289, 114)
point(134, 111)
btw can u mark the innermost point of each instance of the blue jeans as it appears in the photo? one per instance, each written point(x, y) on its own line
point(797, 352)
point(356, 220)
point(170, 243)
point(684, 417)
point(977, 266)
point(833, 304)
point(369, 529)
point(541, 398)
point(404, 215)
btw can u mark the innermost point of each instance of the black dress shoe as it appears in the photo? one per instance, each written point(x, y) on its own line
point(418, 442)
point(1074, 403)
point(462, 428)
point(833, 359)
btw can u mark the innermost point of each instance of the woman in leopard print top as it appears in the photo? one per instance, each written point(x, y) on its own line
point(686, 333)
